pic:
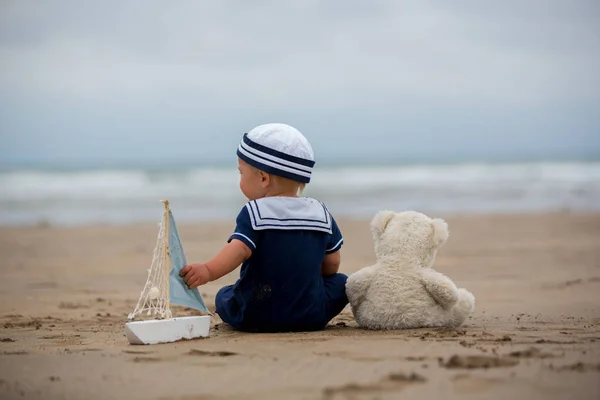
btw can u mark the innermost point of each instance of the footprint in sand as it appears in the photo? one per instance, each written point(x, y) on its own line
point(64, 340)
point(420, 358)
point(196, 352)
point(391, 383)
point(573, 282)
point(478, 361)
point(67, 305)
point(137, 352)
point(15, 353)
point(549, 341)
point(147, 359)
point(85, 350)
point(577, 367)
point(60, 336)
point(531, 352)
point(35, 323)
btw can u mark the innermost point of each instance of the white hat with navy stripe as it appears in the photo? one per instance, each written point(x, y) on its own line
point(278, 149)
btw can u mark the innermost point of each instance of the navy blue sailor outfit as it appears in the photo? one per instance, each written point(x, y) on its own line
point(280, 287)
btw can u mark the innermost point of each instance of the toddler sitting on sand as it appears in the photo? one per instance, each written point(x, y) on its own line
point(288, 245)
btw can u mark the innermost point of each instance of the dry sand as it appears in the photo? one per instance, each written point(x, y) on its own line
point(65, 295)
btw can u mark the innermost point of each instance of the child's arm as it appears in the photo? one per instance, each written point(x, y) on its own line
point(228, 259)
point(331, 264)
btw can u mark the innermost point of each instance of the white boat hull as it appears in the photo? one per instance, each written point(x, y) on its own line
point(167, 330)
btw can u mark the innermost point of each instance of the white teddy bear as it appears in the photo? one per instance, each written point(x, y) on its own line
point(401, 290)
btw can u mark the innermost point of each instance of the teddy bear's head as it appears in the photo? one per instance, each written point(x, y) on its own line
point(407, 239)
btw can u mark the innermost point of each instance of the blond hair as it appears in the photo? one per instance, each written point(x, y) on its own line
point(301, 187)
point(290, 184)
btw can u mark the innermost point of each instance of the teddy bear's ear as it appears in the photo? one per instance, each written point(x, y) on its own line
point(440, 231)
point(380, 222)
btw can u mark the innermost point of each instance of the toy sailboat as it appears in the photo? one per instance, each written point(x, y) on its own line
point(163, 287)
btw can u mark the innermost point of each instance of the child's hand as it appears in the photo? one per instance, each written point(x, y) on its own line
point(228, 259)
point(195, 275)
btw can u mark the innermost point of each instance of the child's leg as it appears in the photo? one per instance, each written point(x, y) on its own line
point(335, 292)
point(223, 304)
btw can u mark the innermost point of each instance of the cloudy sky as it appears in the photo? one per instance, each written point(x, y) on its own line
point(157, 81)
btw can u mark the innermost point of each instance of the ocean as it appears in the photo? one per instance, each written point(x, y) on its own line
point(66, 197)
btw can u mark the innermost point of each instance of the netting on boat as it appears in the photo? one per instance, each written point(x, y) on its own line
point(154, 298)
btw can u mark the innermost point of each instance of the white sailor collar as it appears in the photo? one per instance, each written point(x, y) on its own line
point(289, 213)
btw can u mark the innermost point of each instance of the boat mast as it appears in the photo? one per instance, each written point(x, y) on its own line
point(166, 260)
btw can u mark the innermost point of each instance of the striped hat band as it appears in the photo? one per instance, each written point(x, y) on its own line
point(272, 161)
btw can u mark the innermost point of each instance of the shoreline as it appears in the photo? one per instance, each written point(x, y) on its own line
point(341, 217)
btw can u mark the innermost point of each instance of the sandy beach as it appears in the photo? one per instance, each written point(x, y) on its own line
point(65, 294)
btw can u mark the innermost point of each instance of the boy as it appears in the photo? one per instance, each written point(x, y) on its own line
point(289, 246)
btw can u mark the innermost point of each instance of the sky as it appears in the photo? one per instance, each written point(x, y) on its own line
point(154, 82)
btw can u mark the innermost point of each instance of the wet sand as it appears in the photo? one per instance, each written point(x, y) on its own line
point(65, 294)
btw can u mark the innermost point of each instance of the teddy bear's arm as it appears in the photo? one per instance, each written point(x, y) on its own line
point(441, 288)
point(358, 283)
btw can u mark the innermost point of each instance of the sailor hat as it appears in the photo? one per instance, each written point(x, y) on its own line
point(278, 149)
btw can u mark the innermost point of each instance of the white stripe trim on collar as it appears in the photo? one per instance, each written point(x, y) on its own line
point(289, 213)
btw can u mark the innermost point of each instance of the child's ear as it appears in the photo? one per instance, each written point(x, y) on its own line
point(265, 179)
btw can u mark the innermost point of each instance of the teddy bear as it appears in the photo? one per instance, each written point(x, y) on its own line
point(401, 290)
